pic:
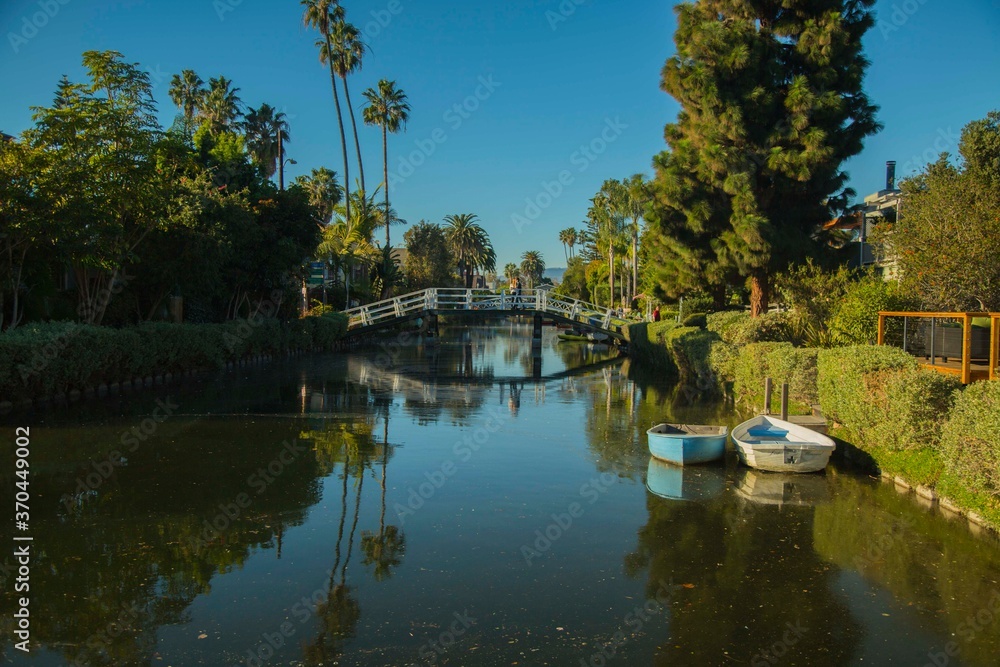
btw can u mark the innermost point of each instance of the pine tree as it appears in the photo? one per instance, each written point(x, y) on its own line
point(772, 104)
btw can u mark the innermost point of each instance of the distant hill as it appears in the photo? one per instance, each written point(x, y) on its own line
point(555, 273)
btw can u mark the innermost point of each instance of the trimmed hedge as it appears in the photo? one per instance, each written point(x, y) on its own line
point(676, 349)
point(736, 327)
point(883, 397)
point(44, 359)
point(970, 439)
point(782, 362)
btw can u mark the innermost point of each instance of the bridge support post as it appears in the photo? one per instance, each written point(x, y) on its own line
point(536, 332)
point(432, 333)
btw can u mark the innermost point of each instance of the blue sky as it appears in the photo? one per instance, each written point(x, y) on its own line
point(546, 90)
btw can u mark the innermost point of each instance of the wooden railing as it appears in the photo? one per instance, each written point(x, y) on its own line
point(965, 369)
point(442, 299)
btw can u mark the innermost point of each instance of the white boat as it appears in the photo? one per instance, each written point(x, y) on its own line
point(768, 443)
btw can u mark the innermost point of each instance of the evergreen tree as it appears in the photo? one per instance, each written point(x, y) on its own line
point(772, 104)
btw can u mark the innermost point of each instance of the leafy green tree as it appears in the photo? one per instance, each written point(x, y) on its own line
point(388, 108)
point(429, 261)
point(187, 91)
point(574, 280)
point(470, 244)
point(772, 104)
point(947, 238)
point(23, 221)
point(532, 267)
point(323, 16)
point(347, 241)
point(109, 179)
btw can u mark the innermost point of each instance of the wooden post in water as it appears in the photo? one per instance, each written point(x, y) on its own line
point(768, 393)
point(784, 401)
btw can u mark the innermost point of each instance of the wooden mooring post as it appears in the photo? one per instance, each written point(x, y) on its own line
point(768, 393)
point(784, 401)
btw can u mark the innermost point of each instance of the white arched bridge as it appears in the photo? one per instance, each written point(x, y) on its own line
point(540, 304)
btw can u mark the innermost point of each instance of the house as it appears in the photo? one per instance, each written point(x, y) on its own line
point(878, 207)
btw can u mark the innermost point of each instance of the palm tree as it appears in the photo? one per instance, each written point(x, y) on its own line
point(187, 90)
point(348, 51)
point(387, 108)
point(511, 271)
point(267, 133)
point(532, 267)
point(386, 273)
point(571, 241)
point(471, 244)
point(322, 15)
point(221, 105)
point(637, 199)
point(347, 241)
point(323, 192)
point(564, 238)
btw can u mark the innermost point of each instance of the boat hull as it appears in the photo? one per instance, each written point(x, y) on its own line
point(773, 445)
point(686, 449)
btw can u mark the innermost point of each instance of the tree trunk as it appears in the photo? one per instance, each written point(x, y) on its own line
point(611, 275)
point(385, 165)
point(357, 144)
point(635, 260)
point(719, 297)
point(343, 137)
point(760, 292)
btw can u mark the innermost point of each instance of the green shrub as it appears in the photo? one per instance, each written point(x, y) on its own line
point(855, 319)
point(695, 320)
point(697, 303)
point(722, 358)
point(770, 327)
point(727, 322)
point(647, 342)
point(841, 374)
point(43, 359)
point(690, 348)
point(970, 439)
point(782, 362)
point(884, 398)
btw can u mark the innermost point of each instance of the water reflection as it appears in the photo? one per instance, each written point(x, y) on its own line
point(261, 492)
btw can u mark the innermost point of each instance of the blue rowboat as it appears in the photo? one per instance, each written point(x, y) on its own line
point(683, 444)
point(675, 483)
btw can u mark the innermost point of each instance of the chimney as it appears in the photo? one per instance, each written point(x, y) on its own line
point(890, 175)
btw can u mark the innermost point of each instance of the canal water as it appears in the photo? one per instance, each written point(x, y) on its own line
point(463, 505)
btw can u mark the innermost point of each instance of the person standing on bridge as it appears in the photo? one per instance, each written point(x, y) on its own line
point(515, 290)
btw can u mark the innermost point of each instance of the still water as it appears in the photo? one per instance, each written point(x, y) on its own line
point(460, 505)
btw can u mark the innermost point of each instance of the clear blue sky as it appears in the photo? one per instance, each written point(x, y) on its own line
point(557, 86)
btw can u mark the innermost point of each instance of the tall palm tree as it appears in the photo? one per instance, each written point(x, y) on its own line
point(187, 90)
point(571, 240)
point(348, 51)
point(322, 15)
point(638, 197)
point(388, 108)
point(564, 238)
point(221, 106)
point(267, 132)
point(532, 267)
point(323, 192)
point(470, 243)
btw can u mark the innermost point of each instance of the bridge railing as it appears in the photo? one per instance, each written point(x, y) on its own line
point(444, 299)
